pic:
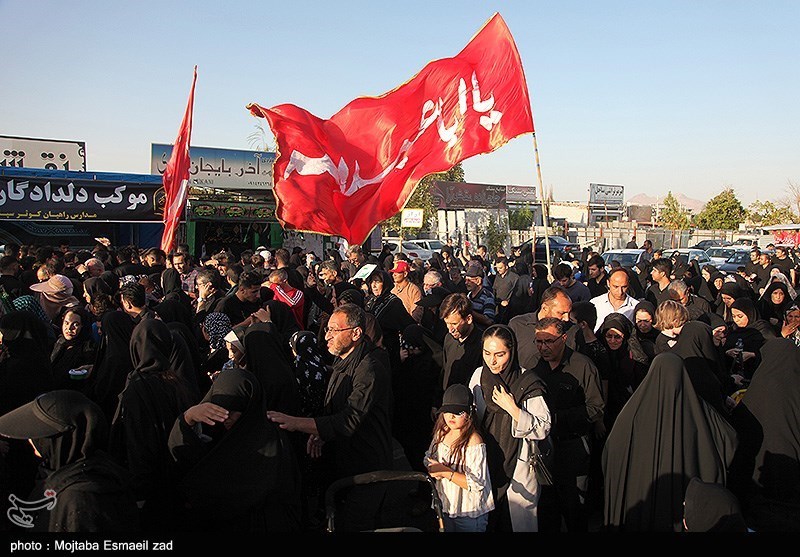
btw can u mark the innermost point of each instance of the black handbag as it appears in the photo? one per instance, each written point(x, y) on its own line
point(542, 460)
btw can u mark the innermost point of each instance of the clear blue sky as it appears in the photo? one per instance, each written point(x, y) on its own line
point(688, 96)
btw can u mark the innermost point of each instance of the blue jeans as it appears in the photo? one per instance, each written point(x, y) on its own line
point(466, 523)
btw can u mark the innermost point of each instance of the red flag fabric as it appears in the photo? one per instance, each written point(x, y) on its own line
point(176, 176)
point(344, 175)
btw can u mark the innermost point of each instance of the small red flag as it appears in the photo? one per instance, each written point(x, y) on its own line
point(344, 175)
point(176, 176)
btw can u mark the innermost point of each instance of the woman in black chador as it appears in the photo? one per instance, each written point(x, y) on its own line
point(93, 493)
point(663, 437)
point(765, 474)
point(236, 469)
point(155, 395)
point(113, 362)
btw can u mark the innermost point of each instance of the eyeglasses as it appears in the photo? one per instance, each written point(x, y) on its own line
point(458, 414)
point(336, 331)
point(644, 320)
point(614, 336)
point(547, 341)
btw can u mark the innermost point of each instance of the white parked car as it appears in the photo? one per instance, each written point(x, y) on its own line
point(412, 249)
point(431, 244)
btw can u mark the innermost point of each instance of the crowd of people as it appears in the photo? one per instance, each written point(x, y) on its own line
point(147, 391)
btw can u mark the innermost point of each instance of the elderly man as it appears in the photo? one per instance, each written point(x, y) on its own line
point(617, 299)
point(431, 280)
point(555, 303)
point(94, 268)
point(353, 433)
point(408, 292)
point(482, 299)
point(695, 305)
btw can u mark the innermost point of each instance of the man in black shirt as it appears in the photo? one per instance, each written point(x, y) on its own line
point(597, 282)
point(576, 410)
point(243, 303)
point(353, 433)
point(130, 264)
point(505, 291)
point(462, 350)
point(660, 272)
point(782, 260)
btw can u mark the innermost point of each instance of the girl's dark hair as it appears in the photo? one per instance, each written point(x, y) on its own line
point(503, 333)
point(458, 451)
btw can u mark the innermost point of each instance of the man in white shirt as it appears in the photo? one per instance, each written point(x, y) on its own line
point(616, 300)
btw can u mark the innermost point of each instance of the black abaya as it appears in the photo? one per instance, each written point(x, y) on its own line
point(665, 436)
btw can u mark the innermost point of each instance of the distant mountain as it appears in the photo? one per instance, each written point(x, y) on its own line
point(644, 199)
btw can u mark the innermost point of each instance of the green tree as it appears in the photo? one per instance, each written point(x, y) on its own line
point(520, 219)
point(673, 216)
point(724, 211)
point(496, 236)
point(765, 213)
point(421, 198)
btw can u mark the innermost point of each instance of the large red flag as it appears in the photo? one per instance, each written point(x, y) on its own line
point(344, 175)
point(176, 176)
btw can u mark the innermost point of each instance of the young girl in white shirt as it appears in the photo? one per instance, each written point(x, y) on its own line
point(457, 459)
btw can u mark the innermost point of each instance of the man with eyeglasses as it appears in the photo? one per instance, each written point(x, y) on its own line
point(555, 303)
point(576, 404)
point(617, 299)
point(353, 434)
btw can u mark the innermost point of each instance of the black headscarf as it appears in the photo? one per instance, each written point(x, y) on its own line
point(284, 320)
point(753, 336)
point(697, 283)
point(71, 354)
point(172, 287)
point(647, 340)
point(248, 478)
point(765, 471)
point(704, 363)
point(732, 289)
point(150, 346)
point(111, 279)
point(713, 287)
point(628, 364)
point(95, 285)
point(267, 360)
point(185, 361)
point(113, 361)
point(24, 364)
point(664, 436)
point(501, 446)
point(154, 352)
point(770, 310)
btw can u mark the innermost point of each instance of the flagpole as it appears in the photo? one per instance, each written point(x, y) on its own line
point(545, 216)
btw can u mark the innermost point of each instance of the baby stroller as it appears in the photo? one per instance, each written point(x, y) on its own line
point(383, 476)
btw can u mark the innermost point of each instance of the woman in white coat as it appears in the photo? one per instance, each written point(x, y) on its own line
point(513, 415)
